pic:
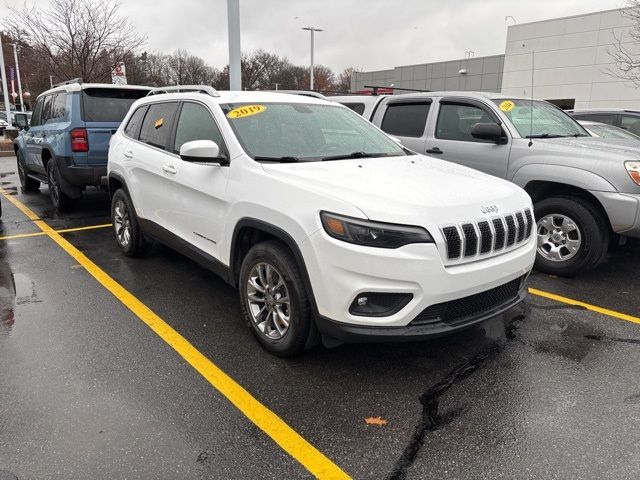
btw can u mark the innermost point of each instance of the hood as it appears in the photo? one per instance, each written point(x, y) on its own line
point(413, 190)
point(608, 148)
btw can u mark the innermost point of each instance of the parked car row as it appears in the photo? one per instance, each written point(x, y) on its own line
point(416, 223)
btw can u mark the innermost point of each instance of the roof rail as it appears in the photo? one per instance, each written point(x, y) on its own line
point(206, 89)
point(69, 82)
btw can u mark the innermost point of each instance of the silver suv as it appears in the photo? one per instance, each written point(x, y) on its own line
point(584, 189)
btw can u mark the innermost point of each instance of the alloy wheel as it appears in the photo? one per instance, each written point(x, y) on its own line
point(268, 301)
point(559, 238)
point(122, 223)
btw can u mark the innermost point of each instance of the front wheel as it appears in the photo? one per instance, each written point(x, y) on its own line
point(274, 300)
point(571, 235)
point(27, 183)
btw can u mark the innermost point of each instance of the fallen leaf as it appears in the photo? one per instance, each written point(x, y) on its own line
point(375, 421)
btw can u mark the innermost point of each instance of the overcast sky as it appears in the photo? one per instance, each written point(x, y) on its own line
point(367, 34)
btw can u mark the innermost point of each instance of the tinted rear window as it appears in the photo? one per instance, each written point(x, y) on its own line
point(356, 107)
point(405, 119)
point(108, 104)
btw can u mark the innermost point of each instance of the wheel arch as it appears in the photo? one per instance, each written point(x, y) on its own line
point(251, 231)
point(116, 181)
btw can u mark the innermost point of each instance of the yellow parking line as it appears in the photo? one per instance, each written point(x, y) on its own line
point(66, 230)
point(588, 306)
point(287, 438)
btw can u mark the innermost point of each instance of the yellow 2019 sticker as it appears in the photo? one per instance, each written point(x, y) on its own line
point(159, 122)
point(246, 111)
point(507, 106)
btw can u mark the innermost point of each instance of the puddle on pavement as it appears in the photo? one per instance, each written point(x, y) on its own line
point(15, 290)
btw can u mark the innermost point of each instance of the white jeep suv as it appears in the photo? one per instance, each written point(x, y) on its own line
point(328, 227)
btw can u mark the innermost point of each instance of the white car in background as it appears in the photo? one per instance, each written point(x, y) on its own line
point(324, 223)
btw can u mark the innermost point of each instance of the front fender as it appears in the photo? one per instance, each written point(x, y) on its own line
point(576, 177)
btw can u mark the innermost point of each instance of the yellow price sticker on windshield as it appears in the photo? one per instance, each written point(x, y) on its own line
point(246, 111)
point(507, 106)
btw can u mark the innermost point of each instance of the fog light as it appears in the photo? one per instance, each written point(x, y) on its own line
point(379, 304)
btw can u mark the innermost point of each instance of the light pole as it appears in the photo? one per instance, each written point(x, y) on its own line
point(233, 18)
point(312, 30)
point(5, 93)
point(15, 59)
point(510, 17)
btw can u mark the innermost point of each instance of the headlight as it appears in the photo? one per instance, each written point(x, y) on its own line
point(633, 169)
point(372, 234)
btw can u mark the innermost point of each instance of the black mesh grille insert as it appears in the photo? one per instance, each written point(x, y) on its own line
point(471, 240)
point(511, 230)
point(499, 228)
point(521, 226)
point(527, 213)
point(454, 244)
point(469, 308)
point(486, 236)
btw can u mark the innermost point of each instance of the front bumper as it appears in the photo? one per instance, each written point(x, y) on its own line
point(339, 272)
point(623, 210)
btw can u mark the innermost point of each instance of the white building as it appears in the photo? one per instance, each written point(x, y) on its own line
point(572, 61)
point(572, 64)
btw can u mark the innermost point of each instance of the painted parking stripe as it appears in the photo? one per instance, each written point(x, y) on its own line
point(66, 230)
point(287, 438)
point(588, 306)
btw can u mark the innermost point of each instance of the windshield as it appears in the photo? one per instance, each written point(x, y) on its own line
point(306, 132)
point(609, 131)
point(545, 121)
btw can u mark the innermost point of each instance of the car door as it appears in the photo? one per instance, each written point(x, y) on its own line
point(195, 201)
point(36, 134)
point(144, 160)
point(406, 120)
point(450, 138)
point(630, 123)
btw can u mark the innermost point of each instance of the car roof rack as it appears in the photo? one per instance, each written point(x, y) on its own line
point(206, 89)
point(69, 82)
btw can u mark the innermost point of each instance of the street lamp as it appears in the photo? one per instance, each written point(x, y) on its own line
point(312, 30)
point(5, 93)
point(15, 59)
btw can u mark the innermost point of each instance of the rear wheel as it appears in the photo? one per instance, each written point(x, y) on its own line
point(28, 184)
point(572, 236)
point(273, 299)
point(126, 227)
point(61, 201)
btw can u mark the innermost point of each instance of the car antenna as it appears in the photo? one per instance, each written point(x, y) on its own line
point(533, 64)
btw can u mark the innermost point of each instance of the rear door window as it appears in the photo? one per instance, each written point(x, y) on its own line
point(157, 124)
point(631, 124)
point(58, 107)
point(108, 104)
point(406, 119)
point(133, 126)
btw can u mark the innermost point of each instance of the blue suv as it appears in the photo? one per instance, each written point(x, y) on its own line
point(67, 142)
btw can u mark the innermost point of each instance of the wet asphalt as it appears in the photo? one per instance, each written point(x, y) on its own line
point(89, 391)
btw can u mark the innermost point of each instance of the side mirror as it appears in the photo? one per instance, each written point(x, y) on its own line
point(205, 152)
point(21, 121)
point(488, 131)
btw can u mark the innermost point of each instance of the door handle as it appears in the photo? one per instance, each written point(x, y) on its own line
point(128, 154)
point(435, 150)
point(169, 169)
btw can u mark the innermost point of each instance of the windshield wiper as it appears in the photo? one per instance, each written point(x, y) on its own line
point(277, 159)
point(357, 155)
point(545, 135)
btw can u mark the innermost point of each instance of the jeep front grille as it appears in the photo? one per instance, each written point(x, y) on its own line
point(484, 237)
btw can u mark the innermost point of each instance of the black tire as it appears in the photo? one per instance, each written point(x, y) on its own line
point(300, 328)
point(28, 184)
point(123, 216)
point(592, 228)
point(60, 200)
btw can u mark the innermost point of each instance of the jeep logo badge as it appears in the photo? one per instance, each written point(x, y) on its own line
point(489, 209)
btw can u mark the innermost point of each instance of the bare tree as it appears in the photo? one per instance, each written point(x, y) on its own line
point(625, 54)
point(343, 80)
point(76, 38)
